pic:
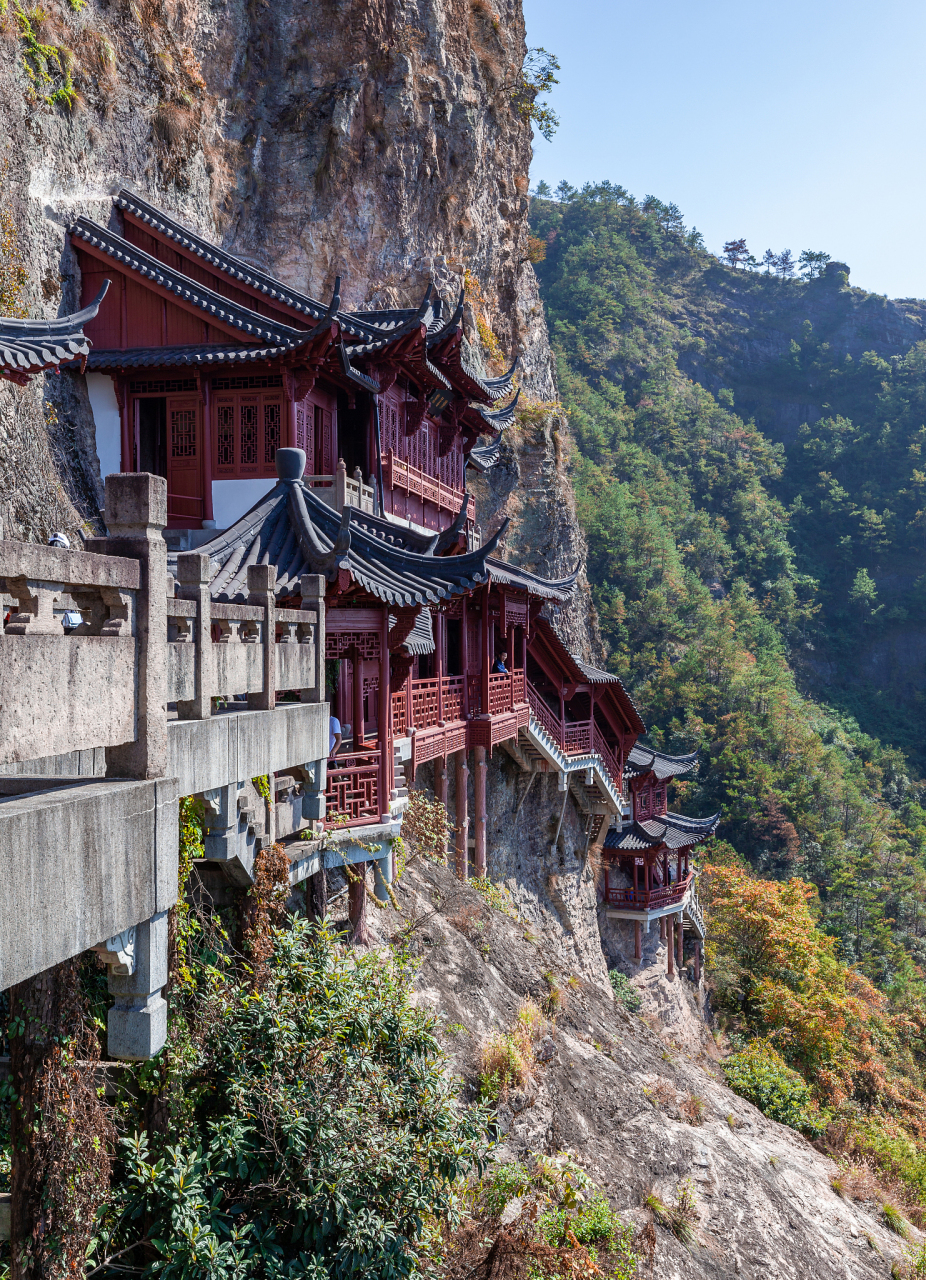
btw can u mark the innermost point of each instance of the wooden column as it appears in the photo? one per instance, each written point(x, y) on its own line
point(486, 650)
point(637, 941)
point(462, 815)
point(636, 888)
point(440, 634)
point(357, 904)
point(357, 691)
point(697, 960)
point(206, 397)
point(670, 950)
point(479, 790)
point(680, 941)
point(464, 649)
point(384, 716)
point(440, 780)
point(662, 928)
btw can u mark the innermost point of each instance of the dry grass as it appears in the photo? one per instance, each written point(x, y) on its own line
point(693, 1108)
point(469, 921)
point(504, 1064)
point(662, 1095)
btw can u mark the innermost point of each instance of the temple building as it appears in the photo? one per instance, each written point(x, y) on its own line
point(306, 467)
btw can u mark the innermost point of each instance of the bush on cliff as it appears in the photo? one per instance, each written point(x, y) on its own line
point(314, 1130)
point(760, 1075)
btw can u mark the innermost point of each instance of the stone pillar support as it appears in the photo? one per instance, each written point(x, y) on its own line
point(462, 815)
point(662, 928)
point(193, 577)
point(697, 961)
point(680, 942)
point(136, 1025)
point(262, 581)
point(136, 515)
point(383, 874)
point(357, 904)
point(479, 794)
point(670, 949)
point(312, 590)
point(637, 941)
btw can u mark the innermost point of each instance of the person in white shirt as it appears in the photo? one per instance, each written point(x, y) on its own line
point(334, 736)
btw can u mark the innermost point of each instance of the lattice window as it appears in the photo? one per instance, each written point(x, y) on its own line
point(251, 382)
point(225, 436)
point(162, 387)
point(644, 802)
point(272, 427)
point(660, 799)
point(366, 642)
point(183, 433)
point(249, 423)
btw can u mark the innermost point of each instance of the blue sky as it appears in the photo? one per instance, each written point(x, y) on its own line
point(798, 125)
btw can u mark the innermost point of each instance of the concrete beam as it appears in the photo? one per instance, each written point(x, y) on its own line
point(80, 864)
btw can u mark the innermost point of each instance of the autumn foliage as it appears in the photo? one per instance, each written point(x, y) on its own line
point(777, 975)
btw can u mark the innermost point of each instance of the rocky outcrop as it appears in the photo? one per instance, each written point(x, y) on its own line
point(641, 1111)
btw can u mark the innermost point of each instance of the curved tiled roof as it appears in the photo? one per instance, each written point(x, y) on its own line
point(510, 575)
point(594, 675)
point(234, 314)
point(170, 357)
point(226, 262)
point(647, 760)
point(29, 346)
point(484, 456)
point(296, 532)
point(421, 637)
point(673, 830)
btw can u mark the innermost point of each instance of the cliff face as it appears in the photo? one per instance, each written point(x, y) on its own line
point(378, 141)
point(644, 1112)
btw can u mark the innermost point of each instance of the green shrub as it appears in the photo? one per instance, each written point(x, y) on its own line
point(625, 992)
point(495, 895)
point(314, 1128)
point(591, 1222)
point(759, 1074)
point(503, 1183)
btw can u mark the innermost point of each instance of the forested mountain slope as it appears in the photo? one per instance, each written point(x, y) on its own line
point(834, 376)
point(728, 567)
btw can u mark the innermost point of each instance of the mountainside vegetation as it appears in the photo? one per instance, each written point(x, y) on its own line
point(733, 557)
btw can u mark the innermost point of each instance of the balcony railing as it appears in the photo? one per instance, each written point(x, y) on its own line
point(434, 701)
point(401, 475)
point(649, 899)
point(352, 793)
point(399, 714)
point(574, 738)
point(341, 490)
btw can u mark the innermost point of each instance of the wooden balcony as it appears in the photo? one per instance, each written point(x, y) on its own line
point(650, 899)
point(401, 475)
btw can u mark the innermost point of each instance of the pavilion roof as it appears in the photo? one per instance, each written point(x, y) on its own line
point(509, 575)
point(296, 532)
point(421, 336)
point(29, 346)
point(484, 456)
point(644, 759)
point(671, 830)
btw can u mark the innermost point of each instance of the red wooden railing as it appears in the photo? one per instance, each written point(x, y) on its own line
point(499, 693)
point(543, 715)
point(452, 697)
point(576, 738)
point(398, 474)
point(352, 793)
point(518, 687)
point(649, 899)
point(399, 714)
point(425, 703)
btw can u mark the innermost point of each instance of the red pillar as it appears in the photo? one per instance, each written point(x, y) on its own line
point(670, 950)
point(486, 637)
point(697, 960)
point(662, 928)
point(440, 780)
point(680, 941)
point(479, 792)
point(207, 449)
point(637, 941)
point(357, 904)
point(464, 647)
point(462, 815)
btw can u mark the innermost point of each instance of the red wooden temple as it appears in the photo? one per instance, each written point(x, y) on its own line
point(297, 434)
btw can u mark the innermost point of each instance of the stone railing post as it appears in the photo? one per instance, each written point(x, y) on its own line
point(136, 515)
point(193, 577)
point(312, 590)
point(262, 581)
point(340, 485)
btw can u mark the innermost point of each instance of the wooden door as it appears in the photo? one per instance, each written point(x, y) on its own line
point(184, 462)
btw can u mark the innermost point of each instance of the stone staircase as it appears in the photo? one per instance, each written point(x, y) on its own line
point(398, 796)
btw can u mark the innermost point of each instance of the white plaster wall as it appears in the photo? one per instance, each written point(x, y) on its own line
point(232, 498)
point(102, 393)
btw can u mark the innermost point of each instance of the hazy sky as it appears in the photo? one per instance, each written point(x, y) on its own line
point(798, 125)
